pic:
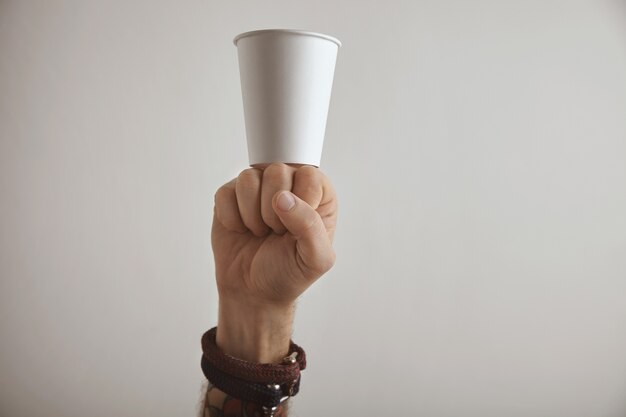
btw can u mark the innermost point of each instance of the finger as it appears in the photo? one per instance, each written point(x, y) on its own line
point(314, 187)
point(226, 208)
point(308, 185)
point(314, 249)
point(276, 177)
point(328, 208)
point(248, 189)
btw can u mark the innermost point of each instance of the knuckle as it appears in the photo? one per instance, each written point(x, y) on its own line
point(308, 177)
point(309, 185)
point(249, 178)
point(276, 170)
point(221, 194)
point(308, 172)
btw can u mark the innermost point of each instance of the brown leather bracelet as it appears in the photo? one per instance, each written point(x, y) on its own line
point(265, 395)
point(251, 379)
point(267, 373)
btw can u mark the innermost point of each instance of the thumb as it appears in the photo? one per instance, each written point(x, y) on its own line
point(305, 224)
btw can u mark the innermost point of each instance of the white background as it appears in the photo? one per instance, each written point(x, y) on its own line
point(478, 149)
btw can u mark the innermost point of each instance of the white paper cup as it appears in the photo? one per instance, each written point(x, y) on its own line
point(286, 81)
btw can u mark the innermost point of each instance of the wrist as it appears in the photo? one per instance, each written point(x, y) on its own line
point(254, 332)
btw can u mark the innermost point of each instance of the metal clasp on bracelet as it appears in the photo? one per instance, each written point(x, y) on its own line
point(270, 411)
point(290, 359)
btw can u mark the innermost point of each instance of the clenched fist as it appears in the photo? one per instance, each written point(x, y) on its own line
point(272, 238)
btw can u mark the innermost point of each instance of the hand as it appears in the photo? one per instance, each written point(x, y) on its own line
point(270, 245)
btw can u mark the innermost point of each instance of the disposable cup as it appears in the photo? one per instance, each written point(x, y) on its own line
point(286, 83)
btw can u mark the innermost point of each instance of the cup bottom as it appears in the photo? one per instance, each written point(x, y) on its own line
point(266, 164)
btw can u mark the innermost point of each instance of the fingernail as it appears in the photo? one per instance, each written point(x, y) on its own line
point(286, 201)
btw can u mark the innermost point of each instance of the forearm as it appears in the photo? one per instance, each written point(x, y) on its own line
point(253, 333)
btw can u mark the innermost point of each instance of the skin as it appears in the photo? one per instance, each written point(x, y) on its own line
point(272, 237)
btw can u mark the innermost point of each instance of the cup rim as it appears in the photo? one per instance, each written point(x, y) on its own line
point(293, 31)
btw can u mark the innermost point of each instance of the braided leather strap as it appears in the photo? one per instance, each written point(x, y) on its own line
point(262, 383)
point(269, 395)
point(257, 372)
